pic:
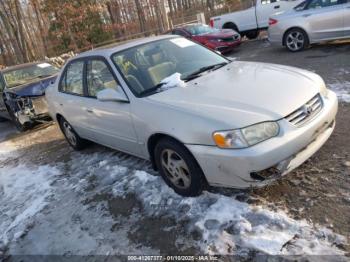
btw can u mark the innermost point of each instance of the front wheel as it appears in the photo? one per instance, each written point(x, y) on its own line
point(178, 168)
point(71, 136)
point(296, 40)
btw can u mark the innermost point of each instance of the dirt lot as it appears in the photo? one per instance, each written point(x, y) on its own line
point(99, 201)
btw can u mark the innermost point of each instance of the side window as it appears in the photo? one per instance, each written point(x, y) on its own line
point(99, 77)
point(323, 3)
point(72, 81)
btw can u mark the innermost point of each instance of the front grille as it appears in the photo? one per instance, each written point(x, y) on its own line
point(306, 112)
point(230, 39)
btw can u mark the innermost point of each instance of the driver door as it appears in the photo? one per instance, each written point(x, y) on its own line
point(110, 121)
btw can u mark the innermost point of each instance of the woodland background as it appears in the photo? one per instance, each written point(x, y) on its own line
point(33, 29)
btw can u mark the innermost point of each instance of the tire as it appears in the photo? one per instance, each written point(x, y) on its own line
point(231, 26)
point(179, 168)
point(73, 139)
point(296, 40)
point(252, 34)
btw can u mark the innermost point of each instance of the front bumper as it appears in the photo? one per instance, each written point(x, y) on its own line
point(224, 47)
point(292, 147)
point(31, 109)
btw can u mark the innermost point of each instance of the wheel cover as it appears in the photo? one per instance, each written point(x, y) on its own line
point(175, 169)
point(295, 40)
point(68, 131)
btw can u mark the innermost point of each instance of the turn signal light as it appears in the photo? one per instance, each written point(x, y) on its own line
point(272, 21)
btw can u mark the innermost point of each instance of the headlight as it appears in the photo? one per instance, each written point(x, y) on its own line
point(245, 137)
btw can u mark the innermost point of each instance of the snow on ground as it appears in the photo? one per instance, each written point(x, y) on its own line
point(342, 89)
point(50, 206)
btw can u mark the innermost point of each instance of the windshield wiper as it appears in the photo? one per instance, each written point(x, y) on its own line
point(151, 90)
point(197, 73)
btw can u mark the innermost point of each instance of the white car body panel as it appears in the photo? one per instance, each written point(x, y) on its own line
point(234, 96)
point(347, 19)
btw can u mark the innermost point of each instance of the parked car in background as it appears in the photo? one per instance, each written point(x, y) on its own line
point(312, 21)
point(198, 116)
point(22, 93)
point(248, 22)
point(223, 40)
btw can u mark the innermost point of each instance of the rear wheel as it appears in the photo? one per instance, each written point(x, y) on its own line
point(231, 26)
point(296, 40)
point(71, 136)
point(178, 168)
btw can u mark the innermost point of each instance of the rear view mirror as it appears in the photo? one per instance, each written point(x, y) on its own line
point(110, 94)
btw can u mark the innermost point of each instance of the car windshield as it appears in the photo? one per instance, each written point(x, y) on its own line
point(28, 73)
point(201, 29)
point(145, 66)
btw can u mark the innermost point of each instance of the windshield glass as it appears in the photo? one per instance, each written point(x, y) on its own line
point(29, 73)
point(145, 66)
point(201, 29)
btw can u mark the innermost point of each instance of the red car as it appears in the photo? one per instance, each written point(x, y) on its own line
point(223, 40)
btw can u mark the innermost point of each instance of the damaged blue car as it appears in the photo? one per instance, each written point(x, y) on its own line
point(22, 93)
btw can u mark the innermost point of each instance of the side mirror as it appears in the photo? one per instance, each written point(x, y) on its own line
point(109, 94)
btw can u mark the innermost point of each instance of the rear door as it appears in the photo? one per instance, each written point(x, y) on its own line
point(325, 19)
point(71, 100)
point(110, 121)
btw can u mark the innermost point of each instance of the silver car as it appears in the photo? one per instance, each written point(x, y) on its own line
point(200, 118)
point(310, 22)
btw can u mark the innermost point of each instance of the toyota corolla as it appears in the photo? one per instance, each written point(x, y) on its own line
point(200, 118)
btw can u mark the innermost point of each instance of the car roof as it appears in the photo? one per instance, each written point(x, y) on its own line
point(115, 47)
point(21, 66)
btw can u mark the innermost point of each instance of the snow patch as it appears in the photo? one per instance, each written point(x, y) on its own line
point(23, 192)
point(228, 226)
point(171, 81)
point(342, 89)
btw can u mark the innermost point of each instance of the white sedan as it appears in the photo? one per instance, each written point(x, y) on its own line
point(200, 118)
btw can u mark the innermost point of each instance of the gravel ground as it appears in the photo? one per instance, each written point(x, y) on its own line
point(100, 201)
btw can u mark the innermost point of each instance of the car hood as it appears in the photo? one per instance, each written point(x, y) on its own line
point(244, 93)
point(35, 88)
point(223, 33)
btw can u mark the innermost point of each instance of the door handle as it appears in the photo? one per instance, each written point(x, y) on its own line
point(61, 104)
point(348, 7)
point(276, 7)
point(306, 15)
point(89, 111)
